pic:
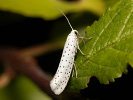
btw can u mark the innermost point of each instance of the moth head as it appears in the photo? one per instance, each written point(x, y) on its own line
point(75, 32)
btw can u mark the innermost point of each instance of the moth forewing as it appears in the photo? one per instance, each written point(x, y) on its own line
point(60, 80)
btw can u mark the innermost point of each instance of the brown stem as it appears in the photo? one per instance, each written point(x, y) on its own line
point(41, 49)
point(28, 67)
point(6, 77)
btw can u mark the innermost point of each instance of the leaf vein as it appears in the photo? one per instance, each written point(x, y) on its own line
point(122, 51)
point(91, 52)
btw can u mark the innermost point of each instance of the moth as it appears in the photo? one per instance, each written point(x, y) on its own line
point(67, 62)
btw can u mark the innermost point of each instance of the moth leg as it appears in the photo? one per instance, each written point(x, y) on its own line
point(81, 51)
point(72, 72)
point(83, 39)
point(75, 69)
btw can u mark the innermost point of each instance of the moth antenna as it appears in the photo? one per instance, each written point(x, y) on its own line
point(66, 18)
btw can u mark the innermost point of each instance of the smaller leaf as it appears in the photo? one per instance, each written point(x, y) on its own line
point(47, 8)
point(22, 89)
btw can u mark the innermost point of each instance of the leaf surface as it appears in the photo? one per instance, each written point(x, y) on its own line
point(110, 49)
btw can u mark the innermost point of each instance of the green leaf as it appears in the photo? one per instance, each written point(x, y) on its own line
point(47, 8)
point(111, 3)
point(22, 89)
point(110, 49)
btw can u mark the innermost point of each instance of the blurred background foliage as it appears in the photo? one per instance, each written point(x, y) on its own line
point(21, 88)
point(25, 23)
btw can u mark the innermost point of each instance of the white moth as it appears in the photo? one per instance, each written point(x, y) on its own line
point(60, 80)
